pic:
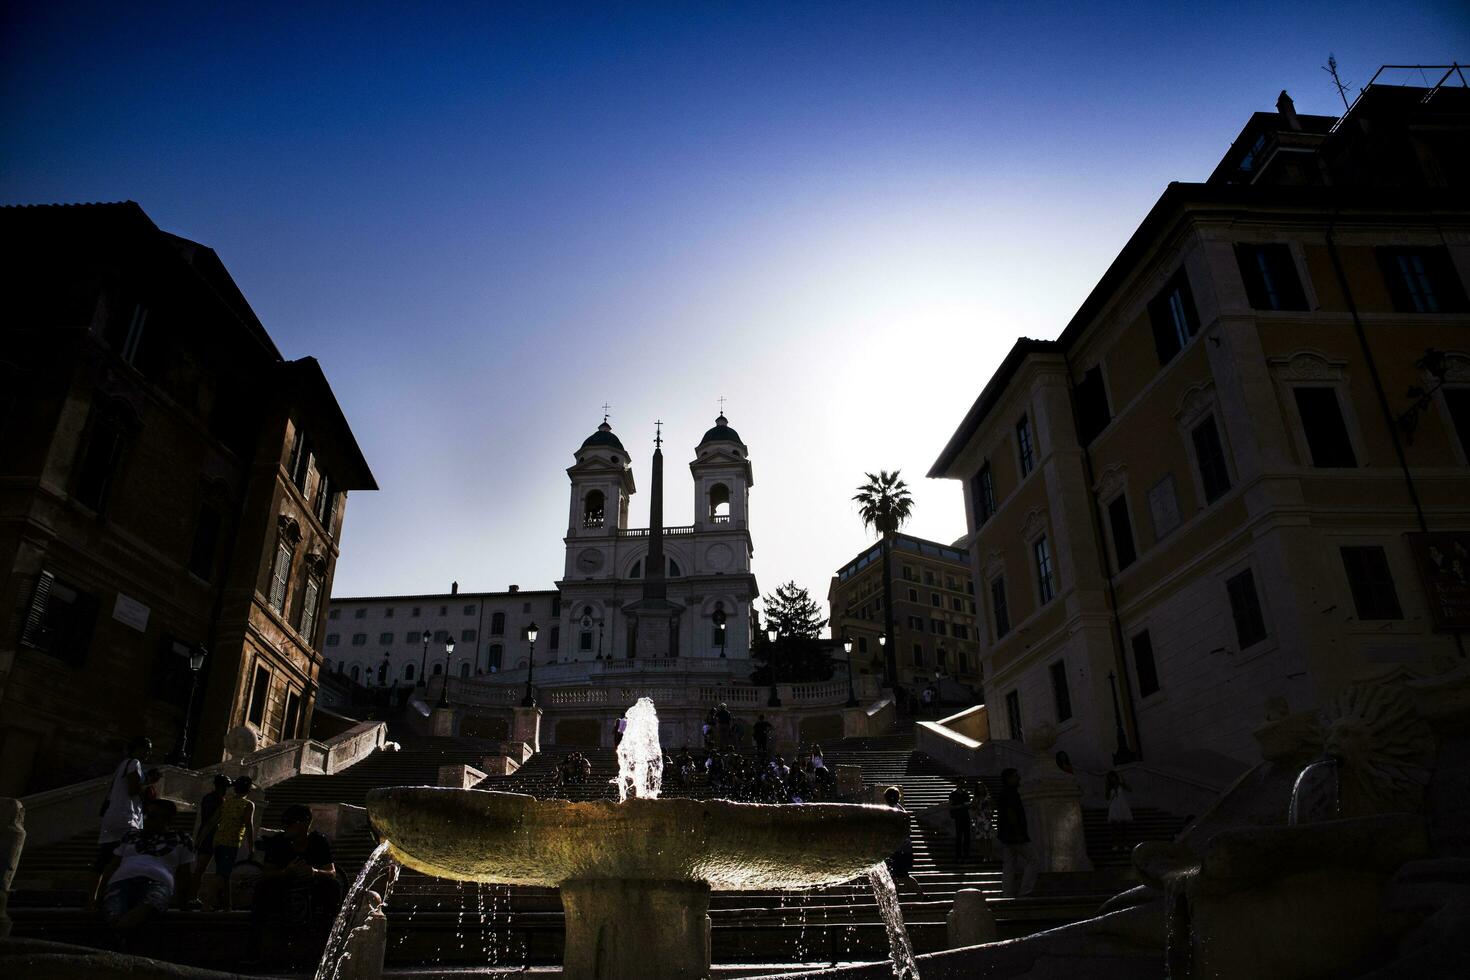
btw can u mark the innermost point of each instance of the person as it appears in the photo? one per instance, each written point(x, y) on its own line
point(817, 762)
point(761, 733)
point(298, 881)
point(152, 786)
point(122, 809)
point(232, 826)
point(1018, 865)
point(1120, 814)
point(204, 848)
point(901, 862)
point(622, 730)
point(984, 825)
point(1064, 763)
point(800, 787)
point(708, 730)
point(960, 801)
point(141, 879)
point(722, 724)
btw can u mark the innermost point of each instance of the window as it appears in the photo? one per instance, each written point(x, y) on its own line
point(593, 509)
point(388, 613)
point(1209, 455)
point(260, 689)
point(464, 669)
point(913, 595)
point(469, 610)
point(386, 639)
point(356, 672)
point(1245, 608)
point(467, 636)
point(299, 462)
point(1422, 280)
point(1045, 587)
point(438, 669)
point(359, 639)
point(1326, 432)
point(417, 611)
point(333, 639)
point(59, 619)
point(293, 715)
point(337, 614)
point(280, 575)
point(1122, 528)
point(998, 607)
point(719, 504)
point(125, 335)
point(1013, 713)
point(408, 671)
point(311, 601)
point(556, 638)
point(916, 623)
point(935, 601)
point(497, 624)
point(1271, 282)
point(326, 502)
point(928, 577)
point(956, 603)
point(497, 654)
point(1143, 663)
point(440, 636)
point(359, 614)
point(938, 627)
point(1093, 414)
point(1023, 445)
point(1059, 692)
point(908, 574)
point(862, 644)
point(1173, 318)
point(918, 654)
point(584, 641)
point(99, 460)
point(961, 631)
point(444, 610)
point(1457, 403)
point(1374, 595)
point(982, 494)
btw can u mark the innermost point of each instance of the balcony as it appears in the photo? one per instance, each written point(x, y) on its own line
point(642, 532)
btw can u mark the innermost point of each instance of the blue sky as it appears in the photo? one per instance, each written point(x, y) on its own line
point(487, 219)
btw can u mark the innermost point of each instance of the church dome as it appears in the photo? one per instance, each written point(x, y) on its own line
point(721, 433)
point(603, 437)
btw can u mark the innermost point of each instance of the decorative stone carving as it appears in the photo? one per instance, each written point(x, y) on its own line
point(1034, 524)
point(1384, 749)
point(1309, 365)
point(289, 527)
point(1112, 481)
point(1457, 369)
point(316, 563)
point(241, 741)
point(1197, 401)
point(993, 565)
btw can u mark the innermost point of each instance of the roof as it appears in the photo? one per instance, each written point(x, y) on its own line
point(989, 395)
point(444, 597)
point(721, 432)
point(603, 437)
point(904, 543)
point(348, 467)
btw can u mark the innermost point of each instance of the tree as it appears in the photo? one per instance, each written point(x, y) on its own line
point(801, 656)
point(884, 504)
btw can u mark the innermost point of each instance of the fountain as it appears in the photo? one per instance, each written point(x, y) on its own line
point(635, 875)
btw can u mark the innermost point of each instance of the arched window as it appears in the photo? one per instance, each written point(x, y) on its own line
point(674, 569)
point(497, 624)
point(464, 669)
point(637, 570)
point(719, 504)
point(592, 509)
point(408, 672)
point(438, 669)
point(383, 672)
point(497, 653)
point(356, 673)
point(341, 666)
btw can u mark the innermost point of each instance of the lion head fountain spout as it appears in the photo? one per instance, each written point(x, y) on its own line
point(635, 875)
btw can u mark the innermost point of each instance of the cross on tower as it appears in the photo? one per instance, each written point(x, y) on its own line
point(605, 409)
point(722, 404)
point(658, 434)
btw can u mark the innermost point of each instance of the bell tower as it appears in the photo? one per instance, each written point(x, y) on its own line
point(601, 485)
point(722, 479)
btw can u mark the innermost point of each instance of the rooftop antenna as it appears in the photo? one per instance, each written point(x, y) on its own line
point(1331, 69)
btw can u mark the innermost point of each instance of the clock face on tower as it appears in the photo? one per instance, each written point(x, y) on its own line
point(589, 560)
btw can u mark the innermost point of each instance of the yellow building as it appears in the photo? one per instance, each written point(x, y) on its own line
point(934, 613)
point(1213, 488)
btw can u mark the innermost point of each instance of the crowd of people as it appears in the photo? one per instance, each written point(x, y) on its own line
point(145, 866)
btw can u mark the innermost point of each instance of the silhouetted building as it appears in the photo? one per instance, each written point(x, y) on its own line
point(1212, 488)
point(170, 483)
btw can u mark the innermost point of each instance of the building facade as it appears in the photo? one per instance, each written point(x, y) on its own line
point(169, 485)
point(934, 612)
point(1240, 473)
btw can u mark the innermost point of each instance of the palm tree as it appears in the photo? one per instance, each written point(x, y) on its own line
point(884, 505)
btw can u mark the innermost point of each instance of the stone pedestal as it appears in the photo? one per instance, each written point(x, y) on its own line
point(624, 929)
point(441, 722)
point(460, 776)
point(970, 922)
point(526, 727)
point(849, 780)
point(1053, 800)
point(854, 723)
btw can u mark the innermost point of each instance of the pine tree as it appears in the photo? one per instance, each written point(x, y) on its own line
point(801, 655)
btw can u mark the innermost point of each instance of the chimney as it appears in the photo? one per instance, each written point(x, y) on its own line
point(514, 588)
point(1287, 110)
point(454, 588)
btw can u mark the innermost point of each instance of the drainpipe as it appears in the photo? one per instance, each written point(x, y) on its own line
point(1124, 753)
point(1383, 406)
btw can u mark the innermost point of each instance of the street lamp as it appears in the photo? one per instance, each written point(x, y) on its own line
point(852, 701)
point(529, 701)
point(774, 700)
point(424, 662)
point(444, 689)
point(196, 662)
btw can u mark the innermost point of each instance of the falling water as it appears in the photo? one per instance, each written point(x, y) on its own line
point(900, 949)
point(334, 953)
point(640, 757)
point(1316, 794)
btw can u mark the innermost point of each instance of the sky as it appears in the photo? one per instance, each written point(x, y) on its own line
point(486, 220)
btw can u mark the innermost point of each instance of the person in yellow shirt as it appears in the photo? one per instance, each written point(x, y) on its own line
point(232, 825)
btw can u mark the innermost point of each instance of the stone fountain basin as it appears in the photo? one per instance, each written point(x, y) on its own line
point(513, 839)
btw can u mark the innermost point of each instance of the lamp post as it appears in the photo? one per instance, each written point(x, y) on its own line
point(529, 701)
point(774, 700)
point(852, 701)
point(424, 662)
point(196, 661)
point(444, 688)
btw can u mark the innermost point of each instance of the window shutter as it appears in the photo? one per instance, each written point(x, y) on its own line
point(1288, 284)
point(33, 632)
point(1165, 342)
point(1255, 290)
point(1186, 296)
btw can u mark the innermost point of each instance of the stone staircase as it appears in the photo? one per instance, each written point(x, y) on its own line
point(457, 924)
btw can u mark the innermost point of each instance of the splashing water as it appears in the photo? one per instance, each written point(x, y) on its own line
point(334, 954)
point(901, 950)
point(640, 757)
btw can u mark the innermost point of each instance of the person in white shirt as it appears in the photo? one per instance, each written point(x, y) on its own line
point(122, 809)
point(142, 877)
